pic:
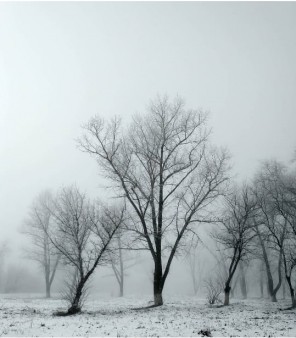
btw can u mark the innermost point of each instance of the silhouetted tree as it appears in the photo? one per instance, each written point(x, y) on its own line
point(121, 261)
point(236, 233)
point(243, 283)
point(195, 266)
point(274, 234)
point(82, 235)
point(37, 227)
point(166, 169)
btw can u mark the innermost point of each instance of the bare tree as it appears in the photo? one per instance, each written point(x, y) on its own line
point(243, 283)
point(168, 172)
point(269, 257)
point(117, 264)
point(41, 250)
point(234, 283)
point(121, 261)
point(236, 234)
point(271, 188)
point(195, 266)
point(82, 236)
point(214, 287)
point(279, 190)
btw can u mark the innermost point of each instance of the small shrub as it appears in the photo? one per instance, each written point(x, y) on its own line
point(214, 287)
point(205, 333)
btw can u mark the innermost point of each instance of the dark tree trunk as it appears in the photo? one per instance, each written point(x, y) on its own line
point(226, 294)
point(271, 290)
point(270, 286)
point(269, 276)
point(75, 305)
point(276, 289)
point(158, 284)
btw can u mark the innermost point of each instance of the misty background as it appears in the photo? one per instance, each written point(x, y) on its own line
point(61, 63)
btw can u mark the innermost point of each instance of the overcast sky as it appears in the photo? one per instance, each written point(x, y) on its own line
point(61, 63)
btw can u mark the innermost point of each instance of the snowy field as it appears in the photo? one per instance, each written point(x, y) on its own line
point(23, 315)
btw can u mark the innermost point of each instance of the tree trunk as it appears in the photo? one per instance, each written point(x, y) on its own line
point(284, 289)
point(292, 293)
point(233, 288)
point(158, 285)
point(261, 286)
point(273, 297)
point(270, 289)
point(226, 294)
point(47, 289)
point(121, 289)
point(47, 282)
point(77, 293)
point(157, 290)
point(244, 288)
point(243, 284)
point(75, 305)
point(121, 277)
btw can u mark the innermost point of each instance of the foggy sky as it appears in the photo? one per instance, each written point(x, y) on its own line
point(61, 63)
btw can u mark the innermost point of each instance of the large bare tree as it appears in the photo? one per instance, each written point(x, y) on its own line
point(236, 233)
point(82, 236)
point(37, 227)
point(165, 167)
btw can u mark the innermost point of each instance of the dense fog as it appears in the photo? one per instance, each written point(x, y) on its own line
point(148, 150)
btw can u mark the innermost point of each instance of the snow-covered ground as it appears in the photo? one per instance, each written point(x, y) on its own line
point(23, 315)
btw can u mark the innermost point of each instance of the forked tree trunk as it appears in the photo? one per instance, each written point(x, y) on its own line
point(49, 274)
point(273, 297)
point(158, 301)
point(274, 291)
point(270, 286)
